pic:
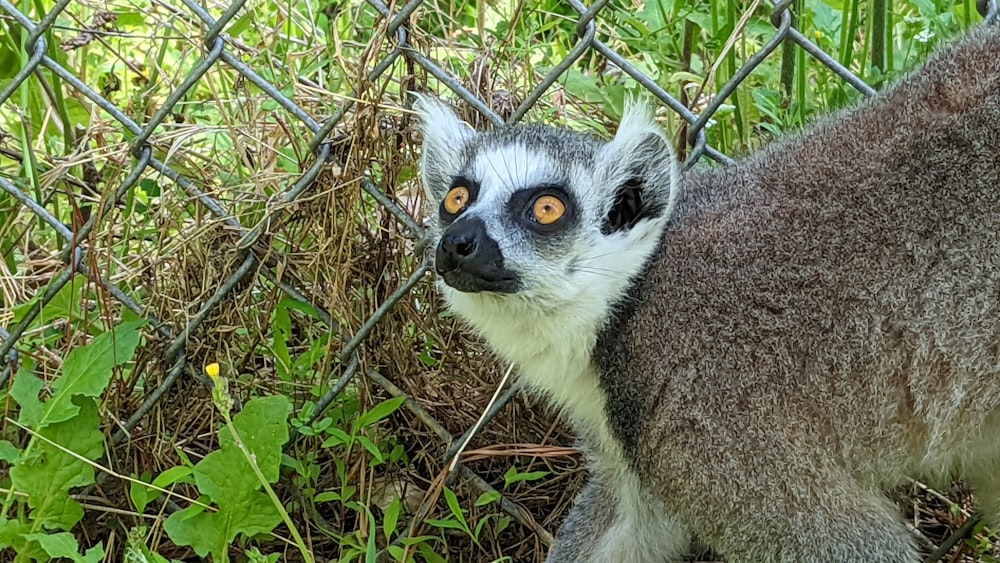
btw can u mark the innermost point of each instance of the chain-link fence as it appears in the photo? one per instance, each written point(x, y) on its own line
point(253, 239)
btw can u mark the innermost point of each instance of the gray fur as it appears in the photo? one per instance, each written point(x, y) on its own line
point(791, 335)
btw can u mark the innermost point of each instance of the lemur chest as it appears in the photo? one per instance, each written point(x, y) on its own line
point(569, 380)
point(553, 355)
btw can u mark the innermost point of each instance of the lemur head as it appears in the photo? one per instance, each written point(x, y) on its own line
point(542, 217)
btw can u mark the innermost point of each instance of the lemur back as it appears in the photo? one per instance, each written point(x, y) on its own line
point(752, 355)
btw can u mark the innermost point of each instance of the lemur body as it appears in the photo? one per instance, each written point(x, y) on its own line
point(751, 355)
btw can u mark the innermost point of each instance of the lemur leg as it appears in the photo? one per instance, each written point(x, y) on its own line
point(623, 524)
point(981, 471)
point(847, 523)
point(986, 487)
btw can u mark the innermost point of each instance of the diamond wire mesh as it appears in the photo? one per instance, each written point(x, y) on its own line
point(217, 50)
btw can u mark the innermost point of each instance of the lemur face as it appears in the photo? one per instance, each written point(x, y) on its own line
point(538, 212)
point(507, 219)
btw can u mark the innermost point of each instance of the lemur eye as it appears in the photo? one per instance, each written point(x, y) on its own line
point(456, 200)
point(548, 209)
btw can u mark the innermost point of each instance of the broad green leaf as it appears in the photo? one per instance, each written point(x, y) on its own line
point(62, 544)
point(263, 427)
point(9, 62)
point(211, 532)
point(12, 532)
point(87, 370)
point(226, 477)
point(141, 495)
point(94, 555)
point(327, 496)
point(13, 535)
point(65, 303)
point(8, 452)
point(429, 555)
point(47, 473)
point(300, 306)
point(25, 391)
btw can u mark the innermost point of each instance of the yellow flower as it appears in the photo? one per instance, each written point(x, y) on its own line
point(819, 35)
point(212, 370)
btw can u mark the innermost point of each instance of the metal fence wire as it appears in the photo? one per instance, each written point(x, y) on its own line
point(218, 50)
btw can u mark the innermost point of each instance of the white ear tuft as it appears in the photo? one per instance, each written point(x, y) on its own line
point(638, 116)
point(637, 122)
point(439, 123)
point(445, 138)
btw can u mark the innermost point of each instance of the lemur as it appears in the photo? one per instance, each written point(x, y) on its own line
point(750, 354)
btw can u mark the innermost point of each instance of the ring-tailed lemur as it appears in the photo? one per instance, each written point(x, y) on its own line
point(751, 354)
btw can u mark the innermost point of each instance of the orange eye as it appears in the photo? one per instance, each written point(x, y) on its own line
point(548, 209)
point(457, 199)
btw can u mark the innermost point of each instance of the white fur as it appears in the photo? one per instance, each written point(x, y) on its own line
point(643, 530)
point(439, 123)
point(508, 168)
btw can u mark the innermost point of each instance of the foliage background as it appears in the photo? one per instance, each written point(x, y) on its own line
point(253, 472)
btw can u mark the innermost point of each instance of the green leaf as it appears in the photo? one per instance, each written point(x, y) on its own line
point(47, 473)
point(448, 524)
point(212, 532)
point(141, 495)
point(479, 528)
point(25, 391)
point(487, 497)
point(173, 475)
point(391, 517)
point(8, 452)
point(9, 62)
point(408, 541)
point(87, 370)
point(62, 544)
point(337, 438)
point(12, 534)
point(372, 449)
point(226, 477)
point(327, 496)
point(455, 507)
point(380, 411)
point(502, 524)
point(512, 476)
point(429, 554)
point(263, 427)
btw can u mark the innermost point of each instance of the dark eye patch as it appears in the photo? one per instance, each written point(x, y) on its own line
point(457, 181)
point(521, 203)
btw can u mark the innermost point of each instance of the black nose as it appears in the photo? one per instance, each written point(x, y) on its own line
point(461, 243)
point(466, 244)
point(469, 260)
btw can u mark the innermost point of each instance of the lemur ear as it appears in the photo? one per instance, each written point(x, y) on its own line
point(445, 138)
point(640, 167)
